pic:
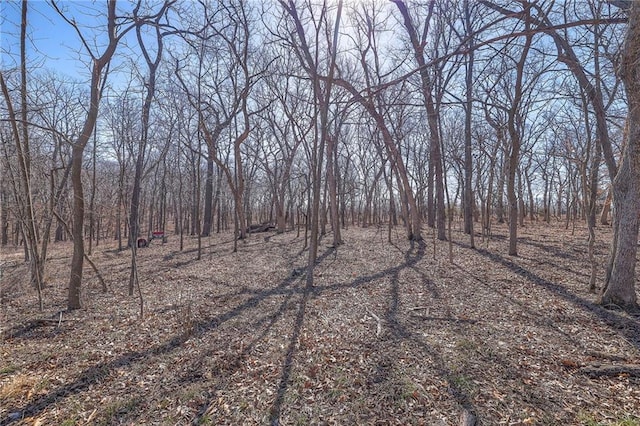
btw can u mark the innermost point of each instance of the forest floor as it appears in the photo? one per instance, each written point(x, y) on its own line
point(390, 333)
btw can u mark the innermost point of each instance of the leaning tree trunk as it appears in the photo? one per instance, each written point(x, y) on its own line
point(619, 288)
point(432, 119)
point(97, 82)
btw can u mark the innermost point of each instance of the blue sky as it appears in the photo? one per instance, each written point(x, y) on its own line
point(53, 43)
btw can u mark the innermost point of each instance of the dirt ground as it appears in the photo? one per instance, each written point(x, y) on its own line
point(390, 333)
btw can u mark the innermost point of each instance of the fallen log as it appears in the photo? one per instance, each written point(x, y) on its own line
point(611, 370)
point(262, 227)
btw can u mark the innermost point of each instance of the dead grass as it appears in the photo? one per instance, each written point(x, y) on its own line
point(389, 334)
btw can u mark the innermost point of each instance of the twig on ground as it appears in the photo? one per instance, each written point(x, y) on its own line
point(92, 415)
point(378, 320)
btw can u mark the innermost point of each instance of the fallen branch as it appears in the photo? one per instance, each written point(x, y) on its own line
point(89, 261)
point(467, 418)
point(611, 370)
point(262, 227)
point(378, 320)
point(98, 274)
point(93, 413)
point(446, 319)
point(608, 357)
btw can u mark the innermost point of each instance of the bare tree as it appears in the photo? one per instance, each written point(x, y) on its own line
point(418, 45)
point(116, 29)
point(223, 111)
point(152, 60)
point(468, 159)
point(287, 124)
point(619, 287)
point(372, 101)
point(24, 193)
point(515, 138)
point(322, 97)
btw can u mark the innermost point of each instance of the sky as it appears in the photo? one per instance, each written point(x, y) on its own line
point(53, 43)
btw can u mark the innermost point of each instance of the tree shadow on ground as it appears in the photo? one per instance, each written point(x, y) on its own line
point(628, 327)
point(274, 413)
point(99, 372)
point(548, 248)
point(401, 330)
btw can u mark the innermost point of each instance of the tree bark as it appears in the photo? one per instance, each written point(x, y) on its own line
point(333, 188)
point(99, 65)
point(4, 217)
point(208, 198)
point(619, 288)
point(514, 154)
point(432, 120)
point(468, 159)
point(606, 208)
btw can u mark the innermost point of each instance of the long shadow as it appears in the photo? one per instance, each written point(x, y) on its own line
point(628, 327)
point(548, 248)
point(99, 372)
point(274, 413)
point(400, 330)
point(411, 259)
point(236, 363)
point(557, 266)
point(21, 330)
point(283, 385)
point(90, 376)
point(545, 262)
point(541, 318)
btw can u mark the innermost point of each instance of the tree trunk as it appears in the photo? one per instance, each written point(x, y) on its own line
point(208, 198)
point(606, 208)
point(432, 119)
point(500, 190)
point(4, 217)
point(333, 189)
point(97, 80)
point(514, 155)
point(521, 205)
point(75, 281)
point(468, 159)
point(281, 218)
point(619, 288)
point(431, 210)
point(92, 196)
